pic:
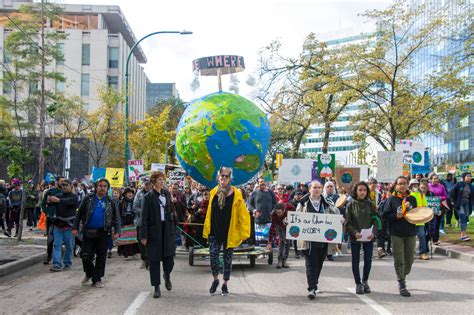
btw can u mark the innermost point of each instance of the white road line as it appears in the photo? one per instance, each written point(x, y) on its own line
point(137, 303)
point(374, 305)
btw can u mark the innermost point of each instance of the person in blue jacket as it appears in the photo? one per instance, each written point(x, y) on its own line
point(463, 197)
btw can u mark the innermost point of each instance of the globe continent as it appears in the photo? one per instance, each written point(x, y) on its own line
point(222, 129)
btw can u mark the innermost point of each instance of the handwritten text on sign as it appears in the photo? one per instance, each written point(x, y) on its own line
point(314, 227)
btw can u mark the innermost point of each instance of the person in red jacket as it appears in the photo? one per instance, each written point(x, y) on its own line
point(278, 228)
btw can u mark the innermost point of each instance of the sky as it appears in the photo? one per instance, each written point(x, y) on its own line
point(241, 28)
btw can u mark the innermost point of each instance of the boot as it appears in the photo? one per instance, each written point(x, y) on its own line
point(279, 264)
point(168, 284)
point(284, 264)
point(157, 292)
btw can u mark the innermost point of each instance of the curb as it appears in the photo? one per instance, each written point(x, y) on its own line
point(20, 264)
point(446, 251)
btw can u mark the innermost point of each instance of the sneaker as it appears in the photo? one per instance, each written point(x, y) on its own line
point(389, 252)
point(7, 233)
point(85, 281)
point(98, 284)
point(359, 289)
point(465, 238)
point(312, 294)
point(366, 287)
point(109, 255)
point(66, 268)
point(284, 264)
point(297, 256)
point(380, 253)
point(442, 232)
point(56, 269)
point(224, 289)
point(214, 286)
point(404, 292)
point(424, 256)
point(330, 258)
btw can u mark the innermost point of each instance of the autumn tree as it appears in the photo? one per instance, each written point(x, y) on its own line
point(397, 105)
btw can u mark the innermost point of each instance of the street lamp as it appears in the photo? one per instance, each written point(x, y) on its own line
point(127, 147)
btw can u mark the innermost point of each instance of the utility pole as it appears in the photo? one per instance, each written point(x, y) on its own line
point(42, 109)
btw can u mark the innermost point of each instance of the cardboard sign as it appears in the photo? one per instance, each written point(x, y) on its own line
point(295, 170)
point(389, 166)
point(158, 167)
point(115, 176)
point(176, 175)
point(135, 169)
point(347, 176)
point(314, 227)
point(97, 172)
point(413, 151)
point(422, 169)
point(434, 203)
point(326, 165)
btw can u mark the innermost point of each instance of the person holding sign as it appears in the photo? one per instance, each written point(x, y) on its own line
point(226, 226)
point(314, 252)
point(402, 232)
point(361, 216)
point(438, 190)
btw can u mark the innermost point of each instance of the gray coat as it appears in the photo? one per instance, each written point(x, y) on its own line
point(138, 206)
point(160, 235)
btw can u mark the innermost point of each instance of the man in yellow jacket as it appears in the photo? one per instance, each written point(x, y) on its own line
point(227, 224)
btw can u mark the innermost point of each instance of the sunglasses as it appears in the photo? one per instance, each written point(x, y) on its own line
point(224, 175)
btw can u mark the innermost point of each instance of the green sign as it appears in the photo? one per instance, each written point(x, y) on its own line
point(434, 203)
point(326, 165)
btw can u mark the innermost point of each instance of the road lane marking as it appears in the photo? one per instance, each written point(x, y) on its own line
point(137, 303)
point(374, 305)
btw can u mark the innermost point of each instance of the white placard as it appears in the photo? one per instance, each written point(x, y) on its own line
point(389, 165)
point(158, 167)
point(314, 227)
point(413, 151)
point(135, 169)
point(295, 170)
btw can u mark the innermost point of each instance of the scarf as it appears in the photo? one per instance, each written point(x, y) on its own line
point(222, 193)
point(404, 200)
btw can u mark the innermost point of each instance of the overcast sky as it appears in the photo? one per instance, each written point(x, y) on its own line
point(230, 27)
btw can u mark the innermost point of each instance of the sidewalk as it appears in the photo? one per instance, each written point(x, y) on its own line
point(464, 253)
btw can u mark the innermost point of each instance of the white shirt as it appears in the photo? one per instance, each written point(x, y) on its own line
point(162, 206)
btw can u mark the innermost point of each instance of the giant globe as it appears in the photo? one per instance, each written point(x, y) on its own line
point(222, 129)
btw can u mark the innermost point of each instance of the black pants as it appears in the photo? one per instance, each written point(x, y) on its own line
point(168, 264)
point(141, 247)
point(314, 260)
point(94, 249)
point(383, 236)
point(49, 239)
point(2, 215)
point(368, 248)
point(30, 221)
point(437, 224)
point(13, 218)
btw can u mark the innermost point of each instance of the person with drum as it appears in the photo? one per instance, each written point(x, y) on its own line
point(402, 232)
point(361, 214)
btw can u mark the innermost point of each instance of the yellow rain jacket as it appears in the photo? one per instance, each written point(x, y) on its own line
point(239, 228)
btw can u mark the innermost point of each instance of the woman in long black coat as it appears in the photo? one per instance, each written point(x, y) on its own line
point(158, 232)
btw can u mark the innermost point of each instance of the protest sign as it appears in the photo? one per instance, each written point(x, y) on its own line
point(295, 170)
point(389, 165)
point(314, 227)
point(176, 175)
point(413, 151)
point(347, 176)
point(158, 167)
point(326, 165)
point(434, 203)
point(422, 169)
point(115, 176)
point(135, 169)
point(97, 172)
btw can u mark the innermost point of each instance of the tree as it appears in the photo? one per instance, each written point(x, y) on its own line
point(150, 137)
point(33, 47)
point(105, 130)
point(395, 105)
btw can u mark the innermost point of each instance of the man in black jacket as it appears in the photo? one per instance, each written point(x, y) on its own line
point(98, 214)
point(66, 204)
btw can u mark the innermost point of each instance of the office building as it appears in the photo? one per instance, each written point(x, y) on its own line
point(156, 92)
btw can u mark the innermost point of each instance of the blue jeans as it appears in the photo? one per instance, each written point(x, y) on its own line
point(368, 251)
point(60, 235)
point(463, 213)
point(420, 232)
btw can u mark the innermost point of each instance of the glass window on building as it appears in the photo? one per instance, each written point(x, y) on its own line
point(464, 145)
point(113, 57)
point(86, 54)
point(85, 85)
point(59, 86)
point(464, 122)
point(60, 61)
point(112, 81)
point(7, 88)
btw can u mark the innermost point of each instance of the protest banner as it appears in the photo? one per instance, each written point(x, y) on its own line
point(434, 203)
point(413, 151)
point(422, 169)
point(326, 165)
point(97, 172)
point(158, 167)
point(135, 169)
point(389, 165)
point(347, 176)
point(115, 176)
point(295, 170)
point(177, 176)
point(314, 227)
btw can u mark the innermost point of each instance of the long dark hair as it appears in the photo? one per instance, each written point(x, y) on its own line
point(354, 190)
point(396, 181)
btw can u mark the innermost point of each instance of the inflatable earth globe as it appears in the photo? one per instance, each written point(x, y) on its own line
point(222, 129)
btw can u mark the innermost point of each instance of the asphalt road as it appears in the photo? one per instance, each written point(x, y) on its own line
point(438, 286)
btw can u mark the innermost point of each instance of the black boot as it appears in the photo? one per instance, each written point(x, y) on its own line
point(403, 288)
point(157, 292)
point(168, 284)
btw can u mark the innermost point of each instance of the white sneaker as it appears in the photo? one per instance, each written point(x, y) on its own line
point(442, 232)
point(86, 281)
